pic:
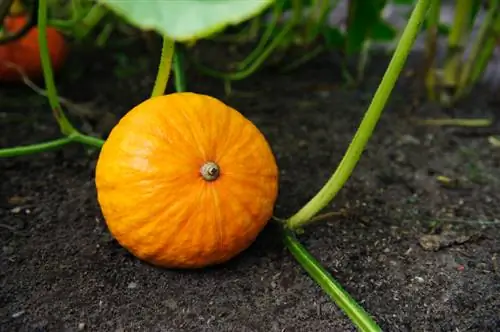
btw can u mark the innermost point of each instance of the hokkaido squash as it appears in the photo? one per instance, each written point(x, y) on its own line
point(185, 181)
point(25, 52)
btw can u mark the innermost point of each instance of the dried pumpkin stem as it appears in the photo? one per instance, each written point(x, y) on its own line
point(210, 171)
point(365, 130)
point(164, 67)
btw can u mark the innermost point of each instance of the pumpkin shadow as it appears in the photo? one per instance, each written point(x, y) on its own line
point(268, 246)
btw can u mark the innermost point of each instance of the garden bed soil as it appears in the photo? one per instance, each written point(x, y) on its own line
point(418, 254)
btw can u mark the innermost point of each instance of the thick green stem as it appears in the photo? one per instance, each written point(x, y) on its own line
point(62, 120)
point(179, 74)
point(354, 311)
point(353, 153)
point(456, 38)
point(430, 48)
point(34, 148)
point(164, 67)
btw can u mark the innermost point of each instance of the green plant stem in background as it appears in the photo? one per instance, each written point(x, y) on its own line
point(103, 37)
point(77, 14)
point(164, 67)
point(432, 25)
point(484, 49)
point(456, 122)
point(278, 39)
point(484, 32)
point(304, 58)
point(179, 74)
point(319, 14)
point(84, 26)
point(353, 310)
point(278, 10)
point(240, 75)
point(62, 120)
point(353, 153)
point(72, 135)
point(461, 22)
point(254, 28)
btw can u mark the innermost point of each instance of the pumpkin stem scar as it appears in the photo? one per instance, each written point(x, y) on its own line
point(210, 171)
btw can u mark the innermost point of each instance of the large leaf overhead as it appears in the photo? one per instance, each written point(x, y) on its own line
point(184, 20)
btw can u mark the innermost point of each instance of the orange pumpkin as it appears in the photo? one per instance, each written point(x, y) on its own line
point(25, 52)
point(185, 181)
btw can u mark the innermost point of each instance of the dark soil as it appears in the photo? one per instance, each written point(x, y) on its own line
point(418, 255)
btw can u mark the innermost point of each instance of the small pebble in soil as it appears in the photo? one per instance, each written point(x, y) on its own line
point(18, 314)
point(132, 285)
point(7, 250)
point(419, 279)
point(16, 210)
point(81, 326)
point(435, 242)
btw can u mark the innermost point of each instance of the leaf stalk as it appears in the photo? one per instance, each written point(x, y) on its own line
point(372, 115)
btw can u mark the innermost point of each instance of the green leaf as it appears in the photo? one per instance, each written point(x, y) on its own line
point(363, 16)
point(333, 37)
point(382, 31)
point(403, 2)
point(443, 29)
point(356, 313)
point(186, 20)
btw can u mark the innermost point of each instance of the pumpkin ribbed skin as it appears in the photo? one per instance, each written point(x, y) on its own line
point(154, 198)
point(25, 52)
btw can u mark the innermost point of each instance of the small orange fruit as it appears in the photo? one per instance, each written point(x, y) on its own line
point(24, 53)
point(185, 181)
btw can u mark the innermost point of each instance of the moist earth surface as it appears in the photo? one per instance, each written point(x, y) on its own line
point(418, 253)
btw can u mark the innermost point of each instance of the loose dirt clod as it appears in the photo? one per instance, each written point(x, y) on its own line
point(436, 242)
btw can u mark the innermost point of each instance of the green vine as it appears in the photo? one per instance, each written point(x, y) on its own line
point(179, 75)
point(482, 50)
point(456, 38)
point(325, 280)
point(35, 148)
point(258, 60)
point(372, 115)
point(67, 129)
point(164, 67)
point(277, 11)
point(432, 25)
